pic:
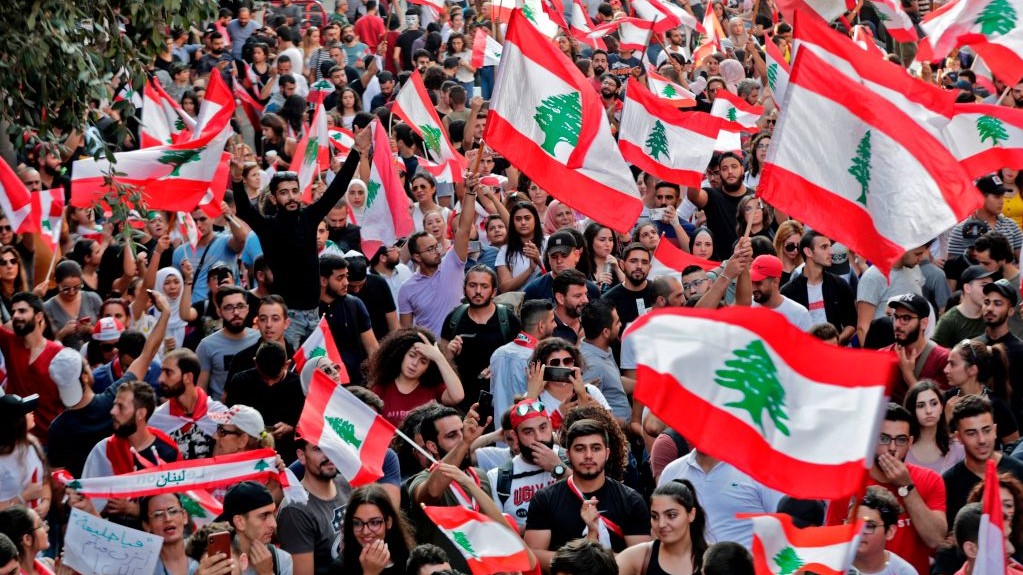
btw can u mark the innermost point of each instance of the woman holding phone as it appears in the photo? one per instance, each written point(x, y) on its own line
point(555, 377)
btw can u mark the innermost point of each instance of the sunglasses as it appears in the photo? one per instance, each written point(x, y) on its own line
point(525, 408)
point(791, 247)
point(6, 229)
point(222, 431)
point(559, 362)
point(11, 262)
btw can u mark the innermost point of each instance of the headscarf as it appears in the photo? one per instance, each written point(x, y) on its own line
point(733, 72)
point(550, 225)
point(175, 325)
point(740, 41)
point(355, 214)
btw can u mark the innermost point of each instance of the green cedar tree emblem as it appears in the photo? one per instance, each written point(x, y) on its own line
point(262, 465)
point(431, 139)
point(463, 541)
point(882, 16)
point(76, 485)
point(860, 168)
point(998, 17)
point(772, 75)
point(732, 115)
point(322, 86)
point(178, 158)
point(527, 11)
point(371, 192)
point(192, 507)
point(751, 371)
point(561, 118)
point(179, 124)
point(320, 351)
point(788, 561)
point(669, 91)
point(657, 141)
point(345, 430)
point(312, 149)
point(991, 128)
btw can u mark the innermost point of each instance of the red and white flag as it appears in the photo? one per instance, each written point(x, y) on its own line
point(665, 15)
point(252, 108)
point(485, 50)
point(502, 10)
point(436, 5)
point(991, 537)
point(669, 91)
point(387, 216)
point(852, 199)
point(188, 230)
point(581, 26)
point(319, 91)
point(342, 141)
point(778, 71)
point(47, 215)
point(15, 200)
point(413, 106)
point(352, 434)
point(660, 140)
point(986, 137)
point(991, 27)
point(164, 121)
point(826, 10)
point(547, 120)
point(312, 155)
point(711, 40)
point(320, 343)
point(864, 38)
point(488, 546)
point(633, 33)
point(802, 416)
point(781, 547)
point(536, 14)
point(738, 114)
point(216, 110)
point(895, 19)
point(668, 255)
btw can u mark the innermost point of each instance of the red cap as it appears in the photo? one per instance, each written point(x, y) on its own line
point(525, 410)
point(765, 266)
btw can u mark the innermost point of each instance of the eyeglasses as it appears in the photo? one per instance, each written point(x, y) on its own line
point(234, 307)
point(523, 409)
point(904, 318)
point(43, 525)
point(222, 431)
point(6, 229)
point(765, 146)
point(901, 440)
point(373, 524)
point(559, 362)
point(687, 286)
point(11, 262)
point(869, 527)
point(71, 289)
point(166, 514)
point(423, 187)
point(791, 247)
point(435, 248)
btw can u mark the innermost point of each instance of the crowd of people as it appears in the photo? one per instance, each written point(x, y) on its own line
point(495, 336)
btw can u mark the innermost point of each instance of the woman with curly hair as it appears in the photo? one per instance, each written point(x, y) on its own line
point(408, 370)
point(375, 539)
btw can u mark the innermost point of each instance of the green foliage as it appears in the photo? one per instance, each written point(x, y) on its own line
point(788, 561)
point(998, 17)
point(657, 141)
point(751, 371)
point(991, 128)
point(63, 54)
point(345, 430)
point(860, 168)
point(561, 118)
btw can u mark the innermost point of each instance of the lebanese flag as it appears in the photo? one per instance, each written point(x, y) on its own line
point(1004, 54)
point(438, 6)
point(535, 12)
point(164, 121)
point(986, 137)
point(252, 108)
point(388, 215)
point(312, 155)
point(669, 91)
point(801, 416)
point(547, 120)
point(864, 38)
point(665, 15)
point(319, 343)
point(180, 476)
point(633, 33)
point(739, 115)
point(581, 25)
point(210, 203)
point(341, 140)
point(672, 145)
point(188, 229)
point(896, 21)
point(47, 215)
point(202, 507)
point(488, 546)
point(852, 199)
point(351, 433)
point(501, 10)
point(973, 22)
point(711, 40)
point(216, 110)
point(412, 105)
point(15, 200)
point(778, 71)
point(485, 50)
point(668, 255)
point(319, 91)
point(781, 547)
point(991, 537)
point(821, 10)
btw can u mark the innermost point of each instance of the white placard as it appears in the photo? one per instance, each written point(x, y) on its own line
point(95, 546)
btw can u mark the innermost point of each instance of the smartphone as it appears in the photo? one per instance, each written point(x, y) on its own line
point(474, 246)
point(219, 543)
point(551, 373)
point(400, 243)
point(486, 404)
point(657, 213)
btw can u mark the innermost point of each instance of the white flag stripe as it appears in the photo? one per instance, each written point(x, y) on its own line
point(669, 346)
point(489, 539)
point(686, 150)
point(344, 455)
point(964, 140)
point(772, 536)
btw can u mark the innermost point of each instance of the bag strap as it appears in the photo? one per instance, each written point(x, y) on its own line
point(456, 316)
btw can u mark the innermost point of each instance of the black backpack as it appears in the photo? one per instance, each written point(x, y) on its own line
point(503, 320)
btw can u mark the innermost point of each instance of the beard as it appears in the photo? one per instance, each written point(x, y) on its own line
point(323, 470)
point(172, 391)
point(22, 329)
point(463, 464)
point(486, 303)
point(599, 70)
point(761, 297)
point(608, 94)
point(235, 326)
point(636, 278)
point(731, 187)
point(910, 338)
point(126, 430)
point(527, 451)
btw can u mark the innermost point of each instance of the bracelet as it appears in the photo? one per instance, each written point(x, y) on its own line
point(724, 275)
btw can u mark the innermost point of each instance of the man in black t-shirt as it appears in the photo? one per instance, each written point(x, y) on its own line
point(720, 205)
point(347, 316)
point(375, 293)
point(588, 504)
point(635, 295)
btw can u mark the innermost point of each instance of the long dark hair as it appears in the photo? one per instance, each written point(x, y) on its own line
point(20, 281)
point(590, 234)
point(941, 433)
point(13, 428)
point(515, 243)
point(683, 492)
point(16, 522)
point(398, 538)
point(384, 366)
point(990, 362)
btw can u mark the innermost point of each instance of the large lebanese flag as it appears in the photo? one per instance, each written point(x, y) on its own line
point(669, 91)
point(164, 121)
point(778, 71)
point(781, 547)
point(547, 120)
point(851, 198)
point(47, 213)
point(319, 343)
point(986, 138)
point(312, 155)
point(895, 19)
point(351, 433)
point(665, 15)
point(991, 538)
point(801, 415)
point(633, 33)
point(668, 255)
point(739, 115)
point(387, 216)
point(487, 545)
point(412, 104)
point(672, 145)
point(15, 200)
point(990, 26)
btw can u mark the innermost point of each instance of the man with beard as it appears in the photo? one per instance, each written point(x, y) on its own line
point(599, 63)
point(610, 86)
point(217, 350)
point(919, 357)
point(508, 362)
point(133, 446)
point(721, 205)
point(27, 353)
point(965, 320)
point(474, 330)
point(874, 289)
point(272, 321)
point(347, 317)
point(311, 530)
point(538, 464)
point(1000, 301)
point(570, 298)
point(633, 296)
point(765, 274)
point(346, 235)
point(588, 504)
point(920, 491)
point(216, 45)
point(601, 328)
point(827, 297)
point(563, 253)
point(289, 236)
point(185, 414)
point(448, 438)
point(386, 263)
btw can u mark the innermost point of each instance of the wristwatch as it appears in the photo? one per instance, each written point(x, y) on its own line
point(905, 489)
point(559, 470)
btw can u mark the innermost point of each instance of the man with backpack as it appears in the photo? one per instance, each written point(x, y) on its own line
point(474, 330)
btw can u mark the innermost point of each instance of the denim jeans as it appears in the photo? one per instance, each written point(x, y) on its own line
point(303, 322)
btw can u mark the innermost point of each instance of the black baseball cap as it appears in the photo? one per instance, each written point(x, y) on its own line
point(1006, 289)
point(913, 302)
point(245, 497)
point(991, 185)
point(563, 242)
point(972, 230)
point(974, 272)
point(12, 403)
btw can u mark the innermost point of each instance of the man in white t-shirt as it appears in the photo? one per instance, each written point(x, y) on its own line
point(765, 273)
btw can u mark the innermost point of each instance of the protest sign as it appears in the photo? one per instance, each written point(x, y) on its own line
point(95, 546)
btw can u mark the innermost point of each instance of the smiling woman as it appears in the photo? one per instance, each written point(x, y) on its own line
point(375, 538)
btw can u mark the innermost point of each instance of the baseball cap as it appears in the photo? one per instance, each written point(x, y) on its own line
point(913, 302)
point(1006, 289)
point(991, 185)
point(244, 418)
point(66, 371)
point(972, 230)
point(974, 273)
point(107, 330)
point(244, 497)
point(561, 242)
point(11, 404)
point(765, 266)
point(525, 410)
point(839, 259)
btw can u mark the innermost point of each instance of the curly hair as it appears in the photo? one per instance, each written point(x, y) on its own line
point(618, 444)
point(384, 366)
point(548, 346)
point(1015, 487)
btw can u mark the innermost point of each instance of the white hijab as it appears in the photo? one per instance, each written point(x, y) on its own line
point(175, 325)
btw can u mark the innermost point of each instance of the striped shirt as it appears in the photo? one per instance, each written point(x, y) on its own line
point(1005, 226)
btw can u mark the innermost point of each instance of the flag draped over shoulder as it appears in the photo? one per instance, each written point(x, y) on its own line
point(801, 415)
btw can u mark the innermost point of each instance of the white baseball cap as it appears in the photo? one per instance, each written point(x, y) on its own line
point(107, 330)
point(244, 418)
point(66, 372)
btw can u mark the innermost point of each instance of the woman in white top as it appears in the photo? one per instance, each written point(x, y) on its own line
point(466, 72)
point(519, 260)
point(424, 191)
point(22, 473)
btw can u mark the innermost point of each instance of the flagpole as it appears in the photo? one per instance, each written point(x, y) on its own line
point(418, 447)
point(53, 263)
